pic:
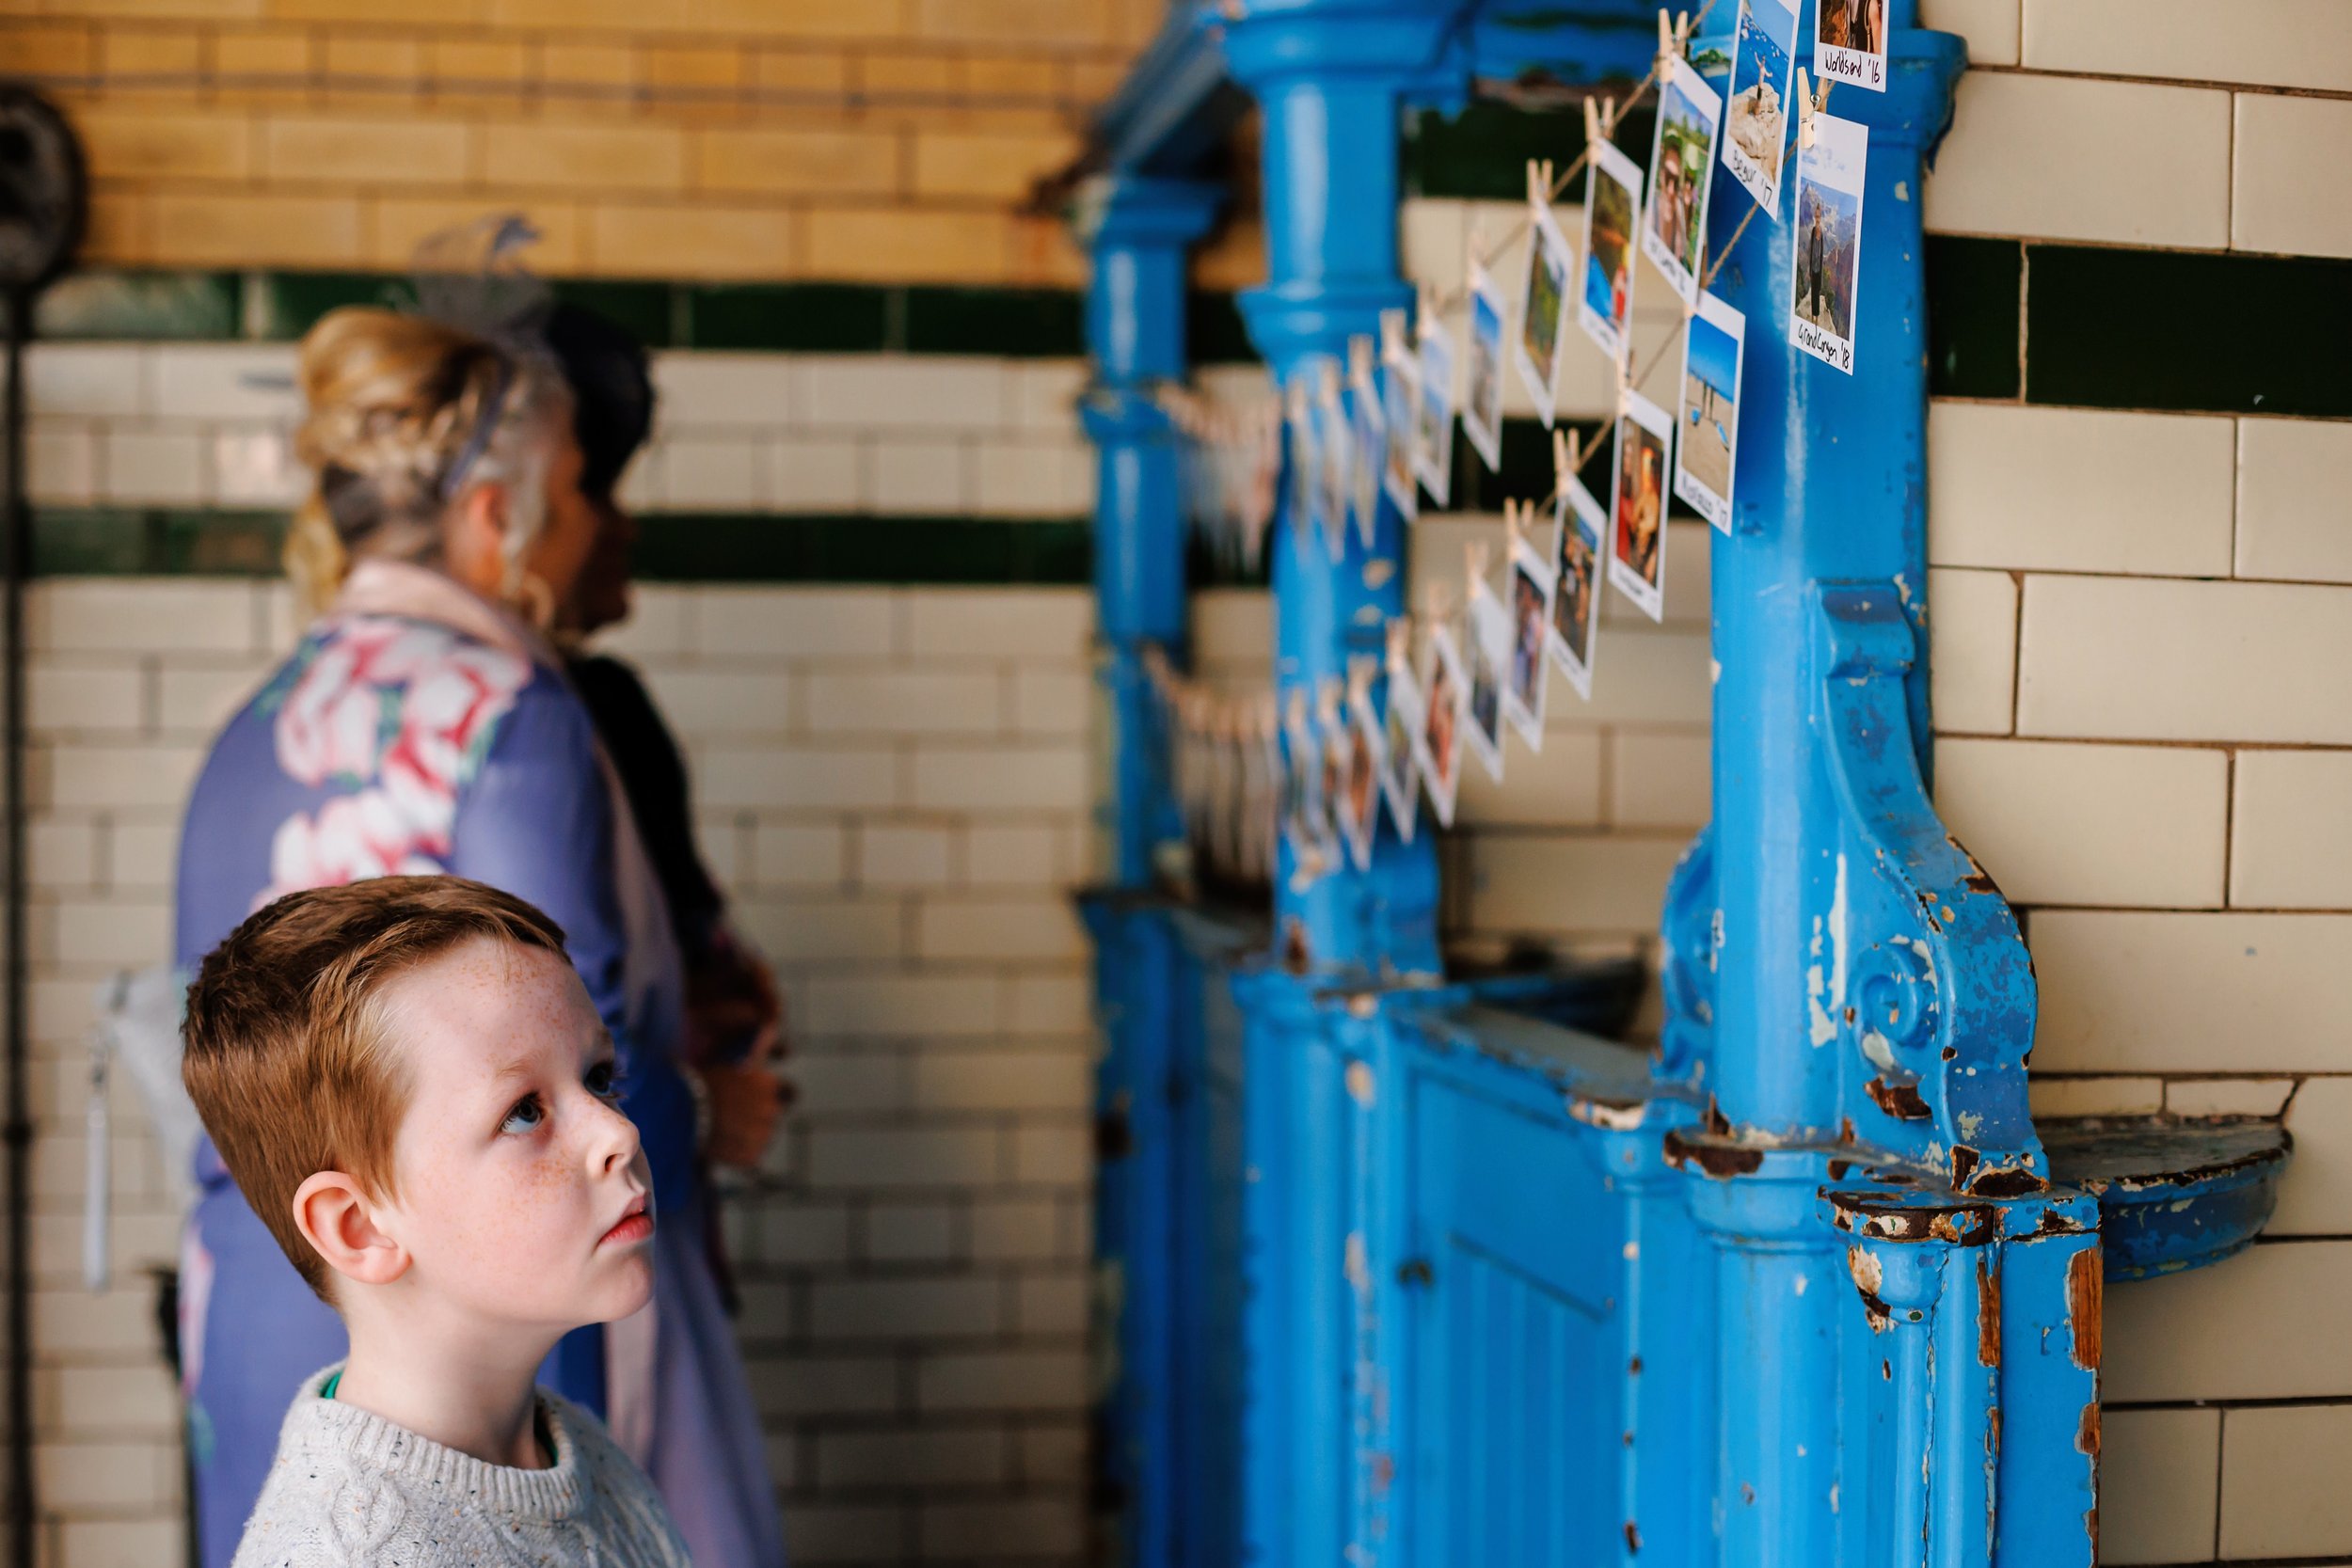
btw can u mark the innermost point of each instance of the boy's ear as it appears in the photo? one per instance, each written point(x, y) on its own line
point(339, 1222)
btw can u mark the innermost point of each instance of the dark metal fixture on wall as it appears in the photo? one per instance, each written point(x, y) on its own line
point(42, 207)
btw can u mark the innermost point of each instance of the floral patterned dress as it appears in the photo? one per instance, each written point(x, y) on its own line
point(418, 729)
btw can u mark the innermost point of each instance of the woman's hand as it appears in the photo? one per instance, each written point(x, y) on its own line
point(747, 1099)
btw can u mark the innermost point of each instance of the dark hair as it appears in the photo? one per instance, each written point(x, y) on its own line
point(612, 394)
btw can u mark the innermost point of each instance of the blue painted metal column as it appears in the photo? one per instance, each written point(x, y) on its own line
point(1330, 76)
point(1138, 230)
point(1830, 491)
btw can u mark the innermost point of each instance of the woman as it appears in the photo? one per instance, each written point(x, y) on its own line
point(424, 724)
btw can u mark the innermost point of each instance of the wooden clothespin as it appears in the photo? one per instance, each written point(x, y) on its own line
point(1673, 37)
point(1428, 302)
point(1359, 360)
point(1437, 601)
point(1567, 457)
point(1477, 251)
point(1328, 695)
point(1400, 642)
point(1539, 182)
point(1511, 527)
point(1807, 106)
point(1392, 338)
point(1297, 715)
point(1600, 120)
point(1329, 390)
point(1474, 555)
point(1361, 669)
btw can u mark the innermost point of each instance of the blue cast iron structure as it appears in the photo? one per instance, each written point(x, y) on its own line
point(1400, 1267)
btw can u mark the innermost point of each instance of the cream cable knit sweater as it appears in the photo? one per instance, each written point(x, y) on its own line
point(351, 1490)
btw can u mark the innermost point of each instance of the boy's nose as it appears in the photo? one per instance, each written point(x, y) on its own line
point(614, 1144)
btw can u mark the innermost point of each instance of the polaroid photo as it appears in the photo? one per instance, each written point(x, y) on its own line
point(1530, 580)
point(1544, 306)
point(1578, 527)
point(1394, 753)
point(1850, 42)
point(1612, 205)
point(1481, 399)
point(1306, 454)
point(1368, 443)
point(1637, 557)
point(1829, 240)
point(1489, 628)
point(1437, 744)
point(1681, 166)
point(1763, 71)
point(1400, 404)
point(1307, 805)
point(1359, 779)
point(1433, 432)
point(1335, 437)
point(1707, 445)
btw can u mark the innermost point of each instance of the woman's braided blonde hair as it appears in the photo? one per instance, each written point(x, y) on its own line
point(403, 414)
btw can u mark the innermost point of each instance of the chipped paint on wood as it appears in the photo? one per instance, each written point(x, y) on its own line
point(2086, 1308)
point(1987, 1316)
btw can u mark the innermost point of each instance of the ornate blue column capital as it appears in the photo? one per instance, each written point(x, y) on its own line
point(1143, 210)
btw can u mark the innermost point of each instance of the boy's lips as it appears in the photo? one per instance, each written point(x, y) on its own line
point(634, 1224)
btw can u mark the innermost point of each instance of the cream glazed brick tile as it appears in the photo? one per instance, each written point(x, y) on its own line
point(98, 776)
point(1642, 677)
point(924, 476)
point(1052, 702)
point(1241, 385)
point(769, 777)
point(2061, 157)
point(165, 466)
point(898, 856)
point(225, 381)
point(641, 486)
point(2079, 490)
point(901, 392)
point(820, 474)
point(2291, 843)
point(660, 622)
point(2285, 150)
point(702, 701)
point(2145, 658)
point(2272, 1322)
point(1972, 638)
point(1556, 788)
point(2070, 824)
point(814, 624)
point(798, 855)
point(938, 701)
point(2283, 1492)
point(1234, 626)
point(1563, 883)
point(1046, 394)
point(1026, 479)
point(2293, 522)
point(1432, 234)
point(1014, 855)
point(256, 466)
point(2316, 1197)
point(996, 623)
point(1001, 929)
point(61, 462)
point(2156, 1493)
point(700, 389)
point(99, 380)
point(2155, 992)
point(2226, 1097)
point(712, 471)
point(1990, 27)
point(2095, 1096)
point(77, 696)
point(1660, 780)
point(1001, 776)
point(2286, 43)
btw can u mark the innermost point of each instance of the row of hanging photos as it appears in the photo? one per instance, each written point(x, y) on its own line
point(1321, 767)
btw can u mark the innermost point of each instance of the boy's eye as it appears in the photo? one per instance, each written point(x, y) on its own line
point(600, 1082)
point(525, 1116)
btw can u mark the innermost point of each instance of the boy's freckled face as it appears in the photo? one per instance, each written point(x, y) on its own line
point(517, 1176)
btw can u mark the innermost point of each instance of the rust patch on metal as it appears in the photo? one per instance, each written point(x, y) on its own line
point(2054, 1223)
point(1633, 1537)
point(1988, 1317)
point(1845, 1130)
point(1964, 1163)
point(1295, 958)
point(1838, 1169)
point(2086, 1283)
point(1900, 1101)
point(2007, 1182)
point(1634, 1368)
point(1383, 1473)
point(2086, 1434)
point(1721, 1161)
point(1867, 1277)
point(1992, 1434)
point(1886, 1371)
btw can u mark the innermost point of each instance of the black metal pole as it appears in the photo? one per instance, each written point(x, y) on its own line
point(15, 562)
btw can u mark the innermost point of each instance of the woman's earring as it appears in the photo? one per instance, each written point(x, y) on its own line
point(535, 600)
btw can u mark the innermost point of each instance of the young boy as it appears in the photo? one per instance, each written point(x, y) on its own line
point(408, 1082)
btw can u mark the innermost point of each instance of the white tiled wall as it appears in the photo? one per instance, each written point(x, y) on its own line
point(192, 425)
point(894, 785)
point(2141, 625)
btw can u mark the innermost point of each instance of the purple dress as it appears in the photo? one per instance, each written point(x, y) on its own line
point(418, 729)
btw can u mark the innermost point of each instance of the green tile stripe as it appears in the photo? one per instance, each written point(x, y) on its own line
point(807, 318)
point(1481, 154)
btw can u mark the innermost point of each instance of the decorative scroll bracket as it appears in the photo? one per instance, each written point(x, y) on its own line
point(1932, 994)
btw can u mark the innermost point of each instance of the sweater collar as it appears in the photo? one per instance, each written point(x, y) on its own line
point(552, 1494)
point(403, 589)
